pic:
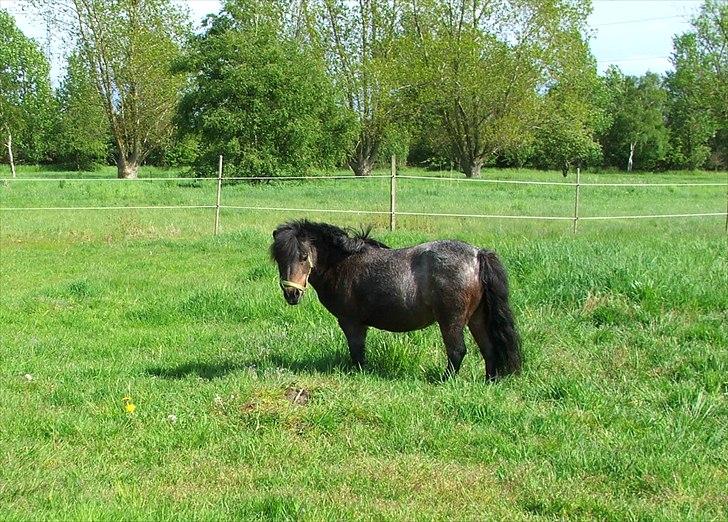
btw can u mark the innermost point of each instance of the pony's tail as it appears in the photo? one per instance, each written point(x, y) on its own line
point(499, 318)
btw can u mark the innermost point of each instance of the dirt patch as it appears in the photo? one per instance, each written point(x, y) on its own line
point(592, 302)
point(298, 396)
point(248, 407)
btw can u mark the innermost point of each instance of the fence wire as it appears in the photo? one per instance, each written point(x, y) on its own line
point(231, 178)
point(559, 183)
point(107, 179)
point(320, 210)
point(653, 216)
point(380, 176)
point(117, 207)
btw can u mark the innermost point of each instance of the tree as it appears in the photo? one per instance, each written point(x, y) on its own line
point(574, 113)
point(638, 135)
point(82, 136)
point(482, 64)
point(25, 93)
point(429, 146)
point(690, 119)
point(260, 95)
point(711, 28)
point(129, 46)
point(698, 88)
point(359, 42)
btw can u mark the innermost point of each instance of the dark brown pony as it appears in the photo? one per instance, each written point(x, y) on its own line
point(364, 283)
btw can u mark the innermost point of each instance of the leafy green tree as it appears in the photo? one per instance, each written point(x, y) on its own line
point(181, 150)
point(574, 114)
point(480, 65)
point(638, 135)
point(128, 46)
point(25, 94)
point(260, 95)
point(359, 41)
point(691, 121)
point(429, 147)
point(698, 88)
point(82, 138)
point(711, 27)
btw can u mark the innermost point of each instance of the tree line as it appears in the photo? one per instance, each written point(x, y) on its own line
point(284, 86)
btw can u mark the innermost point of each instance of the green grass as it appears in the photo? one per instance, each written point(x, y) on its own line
point(621, 412)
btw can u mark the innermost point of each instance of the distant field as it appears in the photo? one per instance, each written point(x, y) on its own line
point(460, 197)
point(621, 412)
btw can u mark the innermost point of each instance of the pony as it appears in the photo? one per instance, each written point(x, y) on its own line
point(364, 283)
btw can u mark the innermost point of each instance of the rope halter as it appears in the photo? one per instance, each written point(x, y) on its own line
point(290, 284)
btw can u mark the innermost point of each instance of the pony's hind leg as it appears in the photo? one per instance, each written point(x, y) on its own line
point(356, 335)
point(479, 329)
point(452, 335)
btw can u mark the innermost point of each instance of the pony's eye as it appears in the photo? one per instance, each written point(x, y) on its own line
point(304, 256)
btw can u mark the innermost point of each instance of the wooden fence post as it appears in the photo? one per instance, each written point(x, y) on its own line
point(393, 195)
point(219, 191)
point(576, 199)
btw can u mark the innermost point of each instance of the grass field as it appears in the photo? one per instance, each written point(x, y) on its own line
point(621, 412)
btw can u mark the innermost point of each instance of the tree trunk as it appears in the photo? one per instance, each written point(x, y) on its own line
point(631, 155)
point(361, 165)
point(127, 168)
point(10, 153)
point(362, 161)
point(471, 166)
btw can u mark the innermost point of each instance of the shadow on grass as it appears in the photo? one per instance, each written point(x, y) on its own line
point(327, 362)
point(334, 362)
point(339, 362)
point(203, 370)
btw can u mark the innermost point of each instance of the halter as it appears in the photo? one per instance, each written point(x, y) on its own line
point(290, 284)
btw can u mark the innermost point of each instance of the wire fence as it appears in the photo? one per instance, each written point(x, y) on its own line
point(393, 212)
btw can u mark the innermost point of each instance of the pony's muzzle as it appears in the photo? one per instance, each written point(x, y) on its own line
point(292, 292)
point(292, 295)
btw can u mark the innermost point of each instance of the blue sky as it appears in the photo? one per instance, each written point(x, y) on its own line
point(636, 35)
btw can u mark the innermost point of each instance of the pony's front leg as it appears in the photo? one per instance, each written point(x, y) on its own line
point(454, 346)
point(356, 335)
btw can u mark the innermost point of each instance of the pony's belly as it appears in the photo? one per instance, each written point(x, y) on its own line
point(402, 322)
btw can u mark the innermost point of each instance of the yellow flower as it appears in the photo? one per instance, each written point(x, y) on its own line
point(129, 406)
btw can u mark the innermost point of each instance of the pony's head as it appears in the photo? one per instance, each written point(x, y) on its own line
point(299, 246)
point(293, 252)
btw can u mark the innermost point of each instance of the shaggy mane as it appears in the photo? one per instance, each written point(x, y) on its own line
point(287, 239)
point(363, 235)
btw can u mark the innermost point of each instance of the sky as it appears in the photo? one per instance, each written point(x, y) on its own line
point(636, 35)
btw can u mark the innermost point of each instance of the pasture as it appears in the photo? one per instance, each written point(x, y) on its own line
point(621, 411)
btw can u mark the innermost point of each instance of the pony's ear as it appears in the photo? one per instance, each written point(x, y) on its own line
point(275, 233)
